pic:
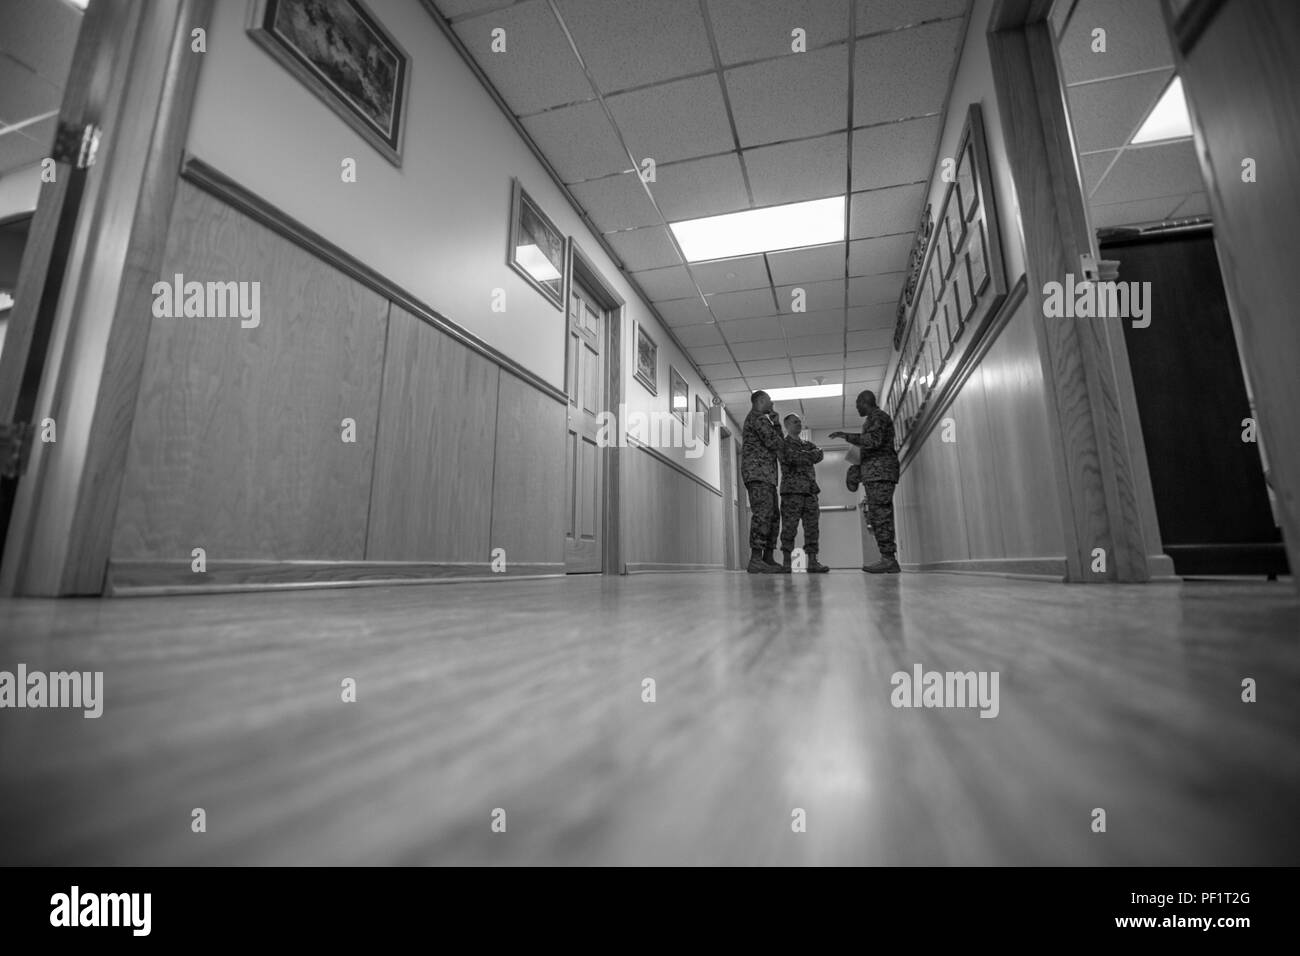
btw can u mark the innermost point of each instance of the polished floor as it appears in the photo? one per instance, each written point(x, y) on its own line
point(772, 694)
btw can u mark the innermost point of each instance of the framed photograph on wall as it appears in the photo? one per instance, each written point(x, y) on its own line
point(700, 424)
point(956, 224)
point(944, 250)
point(339, 51)
point(961, 275)
point(647, 360)
point(979, 267)
point(537, 249)
point(679, 396)
point(970, 200)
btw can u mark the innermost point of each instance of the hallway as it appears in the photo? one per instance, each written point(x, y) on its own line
point(771, 694)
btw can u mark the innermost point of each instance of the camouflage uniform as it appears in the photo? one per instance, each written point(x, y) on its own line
point(878, 473)
point(758, 449)
point(799, 493)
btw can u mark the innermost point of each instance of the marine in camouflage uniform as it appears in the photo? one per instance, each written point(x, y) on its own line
point(760, 442)
point(799, 491)
point(878, 474)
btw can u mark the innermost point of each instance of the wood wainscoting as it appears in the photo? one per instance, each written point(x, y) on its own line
point(238, 441)
point(672, 519)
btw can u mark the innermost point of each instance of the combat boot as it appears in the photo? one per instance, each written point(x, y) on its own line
point(785, 563)
point(757, 565)
point(886, 565)
point(815, 566)
point(773, 567)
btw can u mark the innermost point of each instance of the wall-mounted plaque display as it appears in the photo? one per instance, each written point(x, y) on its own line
point(700, 424)
point(962, 261)
point(966, 180)
point(979, 270)
point(956, 224)
point(943, 248)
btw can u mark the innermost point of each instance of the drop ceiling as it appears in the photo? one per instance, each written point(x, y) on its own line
point(734, 120)
point(1110, 94)
point(37, 38)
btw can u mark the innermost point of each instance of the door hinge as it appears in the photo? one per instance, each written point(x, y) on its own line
point(15, 448)
point(76, 144)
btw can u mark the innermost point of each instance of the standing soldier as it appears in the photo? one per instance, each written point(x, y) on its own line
point(761, 440)
point(799, 491)
point(878, 472)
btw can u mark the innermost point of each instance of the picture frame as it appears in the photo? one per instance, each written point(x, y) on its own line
point(978, 257)
point(942, 339)
point(968, 301)
point(679, 395)
point(944, 251)
point(646, 369)
point(970, 200)
point(340, 51)
point(960, 295)
point(700, 425)
point(956, 224)
point(955, 326)
point(538, 250)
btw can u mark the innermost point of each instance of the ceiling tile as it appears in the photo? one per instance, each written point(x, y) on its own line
point(872, 340)
point(538, 68)
point(644, 249)
point(904, 74)
point(709, 356)
point(884, 254)
point(41, 36)
point(778, 380)
point(1104, 115)
point(696, 336)
point(742, 305)
point(719, 370)
point(807, 265)
point(1149, 172)
point(1197, 204)
point(817, 296)
point(794, 172)
point(872, 317)
point(895, 153)
point(813, 323)
point(616, 202)
point(731, 275)
point(1131, 213)
point(801, 95)
point(761, 29)
point(469, 8)
point(24, 94)
point(869, 357)
point(630, 42)
point(700, 187)
point(1136, 39)
point(27, 146)
point(884, 212)
point(753, 330)
point(674, 121)
point(1094, 165)
point(729, 386)
point(873, 16)
point(684, 312)
point(578, 141)
point(816, 344)
point(832, 362)
point(760, 349)
point(764, 368)
point(874, 290)
point(673, 282)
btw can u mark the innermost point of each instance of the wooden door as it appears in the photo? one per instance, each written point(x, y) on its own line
point(585, 377)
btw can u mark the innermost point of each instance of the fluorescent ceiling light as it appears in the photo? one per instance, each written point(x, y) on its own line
point(804, 391)
point(762, 230)
point(1169, 119)
point(535, 263)
point(6, 302)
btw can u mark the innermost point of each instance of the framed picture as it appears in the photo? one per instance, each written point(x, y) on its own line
point(647, 360)
point(943, 341)
point(536, 247)
point(962, 277)
point(956, 224)
point(970, 200)
point(925, 302)
point(679, 395)
point(961, 294)
point(700, 425)
point(944, 257)
point(954, 314)
point(340, 52)
point(979, 268)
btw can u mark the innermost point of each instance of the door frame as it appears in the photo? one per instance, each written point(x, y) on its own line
point(726, 442)
point(1099, 459)
point(583, 271)
point(134, 76)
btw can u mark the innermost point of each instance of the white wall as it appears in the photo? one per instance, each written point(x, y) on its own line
point(438, 225)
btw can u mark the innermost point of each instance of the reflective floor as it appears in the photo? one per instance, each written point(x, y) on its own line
point(522, 703)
